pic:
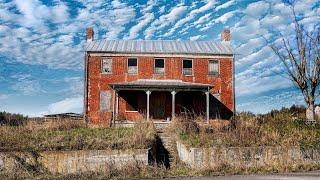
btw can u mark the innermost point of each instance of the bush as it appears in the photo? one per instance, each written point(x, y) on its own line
point(12, 119)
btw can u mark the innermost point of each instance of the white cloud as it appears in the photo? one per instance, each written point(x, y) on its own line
point(4, 96)
point(165, 20)
point(257, 9)
point(225, 5)
point(73, 104)
point(27, 85)
point(209, 5)
point(194, 38)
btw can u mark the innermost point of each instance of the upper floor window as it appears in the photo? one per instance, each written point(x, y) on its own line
point(213, 67)
point(106, 65)
point(187, 67)
point(132, 65)
point(159, 66)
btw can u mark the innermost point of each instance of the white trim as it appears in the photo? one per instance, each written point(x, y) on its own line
point(154, 66)
point(191, 68)
point(162, 55)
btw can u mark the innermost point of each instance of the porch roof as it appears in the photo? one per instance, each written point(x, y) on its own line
point(151, 84)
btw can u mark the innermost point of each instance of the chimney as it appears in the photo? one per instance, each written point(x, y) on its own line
point(90, 34)
point(225, 35)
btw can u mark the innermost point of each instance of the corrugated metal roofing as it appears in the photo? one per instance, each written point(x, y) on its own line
point(160, 47)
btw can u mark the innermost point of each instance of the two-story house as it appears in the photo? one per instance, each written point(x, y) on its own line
point(158, 79)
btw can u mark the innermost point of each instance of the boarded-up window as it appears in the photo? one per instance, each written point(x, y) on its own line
point(132, 65)
point(159, 66)
point(187, 67)
point(213, 67)
point(106, 65)
point(105, 100)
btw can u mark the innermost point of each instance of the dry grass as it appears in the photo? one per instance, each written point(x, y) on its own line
point(278, 129)
point(72, 136)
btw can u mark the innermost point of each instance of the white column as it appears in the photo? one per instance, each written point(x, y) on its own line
point(173, 109)
point(207, 105)
point(117, 105)
point(113, 107)
point(148, 102)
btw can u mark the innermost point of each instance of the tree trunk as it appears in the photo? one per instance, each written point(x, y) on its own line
point(310, 115)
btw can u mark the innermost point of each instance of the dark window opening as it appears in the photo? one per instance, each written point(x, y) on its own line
point(132, 65)
point(159, 66)
point(187, 67)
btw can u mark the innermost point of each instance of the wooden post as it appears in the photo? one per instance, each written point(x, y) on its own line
point(148, 103)
point(207, 105)
point(173, 109)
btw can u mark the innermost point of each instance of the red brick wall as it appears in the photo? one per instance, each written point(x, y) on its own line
point(173, 70)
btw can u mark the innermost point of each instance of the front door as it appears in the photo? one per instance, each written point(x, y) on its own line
point(157, 105)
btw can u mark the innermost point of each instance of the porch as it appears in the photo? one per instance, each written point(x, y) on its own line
point(159, 100)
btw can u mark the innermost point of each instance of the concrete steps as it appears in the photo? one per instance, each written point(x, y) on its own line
point(169, 144)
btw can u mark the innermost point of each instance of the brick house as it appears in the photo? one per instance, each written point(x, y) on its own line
point(158, 79)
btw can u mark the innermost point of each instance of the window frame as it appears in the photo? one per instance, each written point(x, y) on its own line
point(214, 74)
point(183, 68)
point(154, 66)
point(128, 66)
point(101, 64)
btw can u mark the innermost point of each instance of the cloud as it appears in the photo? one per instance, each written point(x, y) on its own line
point(165, 20)
point(4, 96)
point(225, 5)
point(26, 85)
point(194, 38)
point(209, 5)
point(73, 104)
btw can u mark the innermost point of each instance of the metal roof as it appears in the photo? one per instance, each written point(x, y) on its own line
point(160, 47)
point(162, 84)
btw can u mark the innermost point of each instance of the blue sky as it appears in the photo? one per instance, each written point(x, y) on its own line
point(42, 43)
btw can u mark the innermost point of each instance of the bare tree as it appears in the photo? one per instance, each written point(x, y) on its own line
point(300, 57)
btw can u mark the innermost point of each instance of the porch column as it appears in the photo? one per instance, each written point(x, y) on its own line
point(173, 109)
point(117, 105)
point(207, 105)
point(113, 107)
point(148, 103)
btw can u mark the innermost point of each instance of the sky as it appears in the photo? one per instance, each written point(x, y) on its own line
point(42, 45)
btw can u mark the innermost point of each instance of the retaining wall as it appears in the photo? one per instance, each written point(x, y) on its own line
point(248, 157)
point(74, 161)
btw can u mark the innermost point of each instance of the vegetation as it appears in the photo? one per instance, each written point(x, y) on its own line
point(12, 119)
point(70, 136)
point(284, 127)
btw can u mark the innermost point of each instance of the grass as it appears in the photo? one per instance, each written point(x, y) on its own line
point(72, 137)
point(276, 129)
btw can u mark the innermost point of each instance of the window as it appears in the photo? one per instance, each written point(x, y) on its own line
point(106, 65)
point(187, 67)
point(132, 103)
point(105, 97)
point(159, 66)
point(132, 66)
point(213, 67)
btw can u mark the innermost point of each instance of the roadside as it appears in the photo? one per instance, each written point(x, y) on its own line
point(312, 175)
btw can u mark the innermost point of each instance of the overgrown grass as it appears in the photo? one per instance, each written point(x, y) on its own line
point(72, 137)
point(276, 129)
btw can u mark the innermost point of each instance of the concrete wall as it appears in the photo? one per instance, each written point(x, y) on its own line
point(75, 161)
point(246, 156)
